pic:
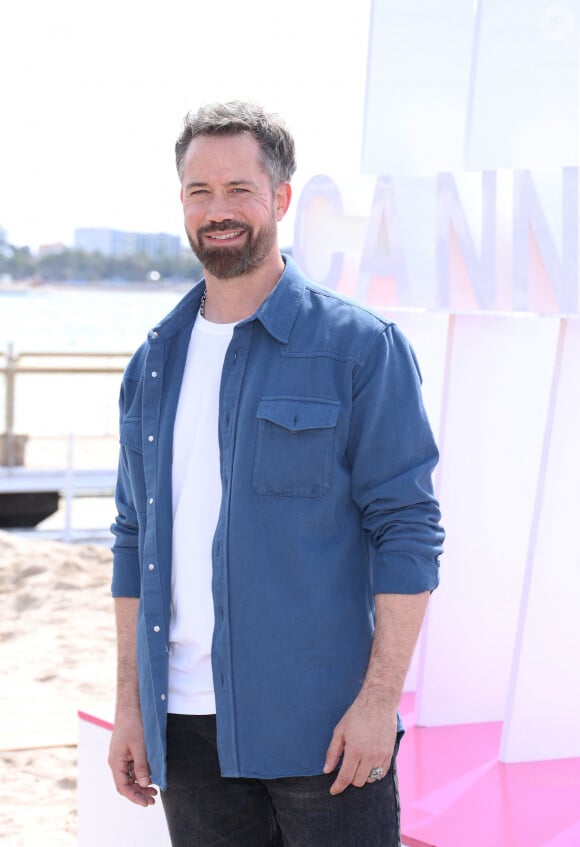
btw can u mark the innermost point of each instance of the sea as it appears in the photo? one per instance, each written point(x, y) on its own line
point(82, 318)
point(75, 414)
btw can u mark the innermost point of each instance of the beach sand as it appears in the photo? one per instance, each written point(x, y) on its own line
point(57, 655)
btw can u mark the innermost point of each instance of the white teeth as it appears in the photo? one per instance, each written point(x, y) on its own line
point(226, 236)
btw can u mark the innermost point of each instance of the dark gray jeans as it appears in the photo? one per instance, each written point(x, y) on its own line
point(204, 809)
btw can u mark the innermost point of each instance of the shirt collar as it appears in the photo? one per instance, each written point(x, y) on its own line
point(279, 310)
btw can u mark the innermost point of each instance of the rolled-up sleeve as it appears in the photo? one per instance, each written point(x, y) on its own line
point(126, 580)
point(393, 454)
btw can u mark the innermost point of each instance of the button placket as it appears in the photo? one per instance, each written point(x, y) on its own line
point(150, 417)
point(230, 390)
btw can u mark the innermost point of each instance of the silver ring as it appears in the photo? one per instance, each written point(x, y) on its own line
point(375, 773)
point(129, 774)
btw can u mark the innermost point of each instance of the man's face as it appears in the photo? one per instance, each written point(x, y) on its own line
point(230, 210)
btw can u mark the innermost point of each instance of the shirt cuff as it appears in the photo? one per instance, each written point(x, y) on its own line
point(403, 573)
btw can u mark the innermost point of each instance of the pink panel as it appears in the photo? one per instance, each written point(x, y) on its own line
point(455, 792)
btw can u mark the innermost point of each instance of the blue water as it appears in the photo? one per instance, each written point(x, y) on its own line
point(74, 320)
point(81, 319)
point(69, 320)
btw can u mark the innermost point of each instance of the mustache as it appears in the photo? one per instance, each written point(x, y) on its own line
point(222, 226)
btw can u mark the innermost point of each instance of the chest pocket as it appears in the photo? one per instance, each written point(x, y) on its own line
point(295, 446)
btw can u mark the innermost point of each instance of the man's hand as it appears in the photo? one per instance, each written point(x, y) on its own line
point(366, 735)
point(127, 756)
point(128, 759)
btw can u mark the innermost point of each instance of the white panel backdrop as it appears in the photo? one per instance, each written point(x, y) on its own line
point(502, 637)
point(543, 707)
point(499, 379)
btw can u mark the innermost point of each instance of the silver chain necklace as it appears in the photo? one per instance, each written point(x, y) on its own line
point(202, 303)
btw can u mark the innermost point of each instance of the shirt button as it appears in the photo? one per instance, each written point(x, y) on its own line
point(153, 374)
point(163, 696)
point(151, 566)
point(155, 334)
point(156, 629)
point(150, 438)
point(151, 501)
point(235, 357)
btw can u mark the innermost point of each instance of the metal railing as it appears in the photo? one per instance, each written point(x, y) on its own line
point(70, 478)
point(13, 364)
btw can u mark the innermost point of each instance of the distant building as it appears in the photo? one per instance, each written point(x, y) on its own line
point(116, 242)
point(3, 236)
point(51, 249)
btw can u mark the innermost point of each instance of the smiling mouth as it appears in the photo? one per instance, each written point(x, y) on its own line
point(224, 236)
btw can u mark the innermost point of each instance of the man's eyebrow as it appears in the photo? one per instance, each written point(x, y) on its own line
point(233, 183)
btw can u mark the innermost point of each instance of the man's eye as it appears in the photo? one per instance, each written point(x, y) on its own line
point(197, 191)
point(240, 190)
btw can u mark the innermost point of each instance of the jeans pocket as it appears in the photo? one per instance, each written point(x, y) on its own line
point(295, 446)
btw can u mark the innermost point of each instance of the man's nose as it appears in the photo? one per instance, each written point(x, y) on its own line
point(219, 208)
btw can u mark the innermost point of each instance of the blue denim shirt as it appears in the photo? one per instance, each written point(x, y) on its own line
point(326, 457)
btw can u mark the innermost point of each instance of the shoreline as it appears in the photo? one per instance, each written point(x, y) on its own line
point(24, 286)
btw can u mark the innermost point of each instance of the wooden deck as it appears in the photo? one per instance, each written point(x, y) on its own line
point(69, 485)
point(76, 481)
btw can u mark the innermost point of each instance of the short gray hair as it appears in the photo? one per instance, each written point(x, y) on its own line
point(237, 116)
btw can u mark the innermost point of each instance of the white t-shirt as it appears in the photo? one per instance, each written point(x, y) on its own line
point(196, 488)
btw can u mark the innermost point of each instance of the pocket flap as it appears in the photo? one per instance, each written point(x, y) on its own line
point(298, 413)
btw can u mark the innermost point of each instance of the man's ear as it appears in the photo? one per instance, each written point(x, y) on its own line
point(282, 198)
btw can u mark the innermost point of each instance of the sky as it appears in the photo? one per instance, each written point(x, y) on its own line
point(93, 96)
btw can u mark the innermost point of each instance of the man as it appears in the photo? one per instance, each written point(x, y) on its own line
point(277, 537)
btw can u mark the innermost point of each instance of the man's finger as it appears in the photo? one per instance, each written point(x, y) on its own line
point(386, 765)
point(362, 774)
point(334, 752)
point(125, 778)
point(142, 775)
point(128, 788)
point(345, 776)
